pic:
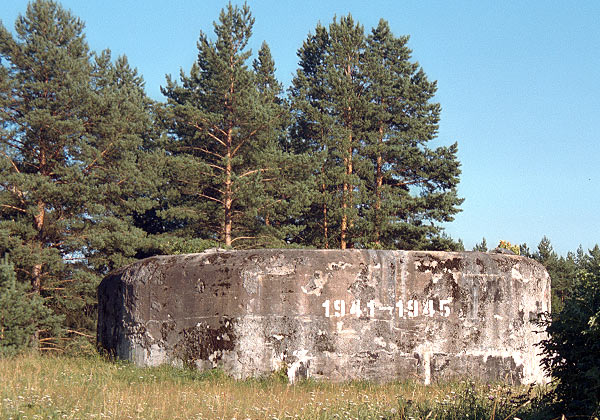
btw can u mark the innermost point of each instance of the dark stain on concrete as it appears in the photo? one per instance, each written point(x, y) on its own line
point(201, 342)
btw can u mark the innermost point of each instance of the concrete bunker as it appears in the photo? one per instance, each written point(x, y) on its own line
point(332, 314)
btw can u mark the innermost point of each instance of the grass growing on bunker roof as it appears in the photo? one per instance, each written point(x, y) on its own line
point(36, 387)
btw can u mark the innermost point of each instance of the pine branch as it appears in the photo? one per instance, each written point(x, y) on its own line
point(271, 204)
point(249, 136)
point(201, 173)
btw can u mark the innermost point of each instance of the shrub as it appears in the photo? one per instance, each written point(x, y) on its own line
point(22, 314)
point(507, 245)
point(571, 354)
point(176, 245)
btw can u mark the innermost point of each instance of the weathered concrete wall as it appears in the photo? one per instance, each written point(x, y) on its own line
point(377, 315)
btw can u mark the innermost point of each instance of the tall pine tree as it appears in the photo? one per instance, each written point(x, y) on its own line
point(330, 104)
point(413, 187)
point(367, 110)
point(287, 185)
point(225, 121)
point(310, 133)
point(71, 149)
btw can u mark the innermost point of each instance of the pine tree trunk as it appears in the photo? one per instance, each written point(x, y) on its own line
point(347, 189)
point(344, 225)
point(350, 186)
point(36, 275)
point(346, 198)
point(228, 187)
point(325, 224)
point(378, 185)
point(228, 191)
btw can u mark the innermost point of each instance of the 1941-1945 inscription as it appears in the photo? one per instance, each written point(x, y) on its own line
point(337, 308)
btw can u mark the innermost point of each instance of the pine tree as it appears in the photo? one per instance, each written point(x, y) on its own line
point(71, 149)
point(481, 247)
point(331, 82)
point(591, 262)
point(366, 109)
point(287, 184)
point(124, 165)
point(562, 272)
point(225, 121)
point(310, 133)
point(47, 73)
point(414, 187)
point(348, 103)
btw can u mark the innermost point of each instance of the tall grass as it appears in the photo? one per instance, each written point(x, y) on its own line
point(43, 387)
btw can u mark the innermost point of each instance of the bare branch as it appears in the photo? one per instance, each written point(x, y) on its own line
point(215, 127)
point(199, 128)
point(243, 237)
point(210, 198)
point(11, 162)
point(220, 168)
point(257, 170)
point(80, 333)
point(402, 184)
point(104, 152)
point(13, 208)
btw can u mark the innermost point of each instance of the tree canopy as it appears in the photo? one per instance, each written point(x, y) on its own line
point(94, 174)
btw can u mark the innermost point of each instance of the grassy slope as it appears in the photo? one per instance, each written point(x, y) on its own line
point(32, 387)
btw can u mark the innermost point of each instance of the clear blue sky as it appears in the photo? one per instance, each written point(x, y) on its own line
point(519, 85)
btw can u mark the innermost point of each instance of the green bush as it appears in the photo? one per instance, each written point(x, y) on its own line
point(507, 245)
point(22, 314)
point(572, 350)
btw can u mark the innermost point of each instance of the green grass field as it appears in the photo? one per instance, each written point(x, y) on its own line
point(46, 387)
